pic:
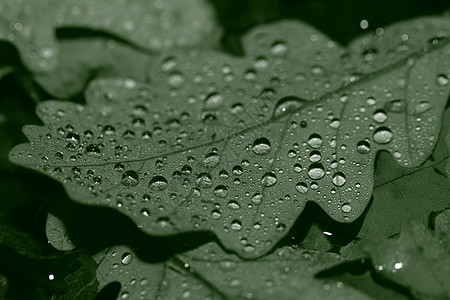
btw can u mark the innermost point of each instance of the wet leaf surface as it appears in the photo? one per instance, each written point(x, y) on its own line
point(234, 145)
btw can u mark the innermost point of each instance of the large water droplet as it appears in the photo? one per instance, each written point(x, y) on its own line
point(379, 116)
point(269, 179)
point(288, 105)
point(315, 156)
point(382, 135)
point(158, 183)
point(363, 147)
point(214, 101)
point(335, 123)
point(261, 146)
point(130, 178)
point(302, 187)
point(221, 191)
point(236, 225)
point(315, 140)
point(346, 207)
point(233, 204)
point(257, 198)
point(73, 137)
point(339, 179)
point(316, 171)
point(211, 160)
point(279, 48)
point(127, 258)
point(93, 150)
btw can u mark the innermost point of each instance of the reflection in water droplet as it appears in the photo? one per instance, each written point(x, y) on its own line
point(214, 101)
point(269, 179)
point(261, 146)
point(346, 207)
point(302, 187)
point(158, 183)
point(379, 116)
point(236, 225)
point(442, 80)
point(363, 147)
point(315, 156)
point(316, 171)
point(288, 105)
point(315, 140)
point(423, 107)
point(211, 160)
point(130, 178)
point(382, 135)
point(339, 179)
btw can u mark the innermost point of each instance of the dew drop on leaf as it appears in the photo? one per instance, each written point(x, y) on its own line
point(130, 178)
point(316, 171)
point(269, 179)
point(301, 187)
point(233, 204)
point(396, 106)
point(204, 180)
point(315, 140)
point(379, 116)
point(211, 160)
point(236, 225)
point(73, 137)
point(127, 258)
point(422, 107)
point(442, 80)
point(346, 207)
point(339, 179)
point(215, 214)
point(363, 147)
point(298, 168)
point(382, 135)
point(315, 156)
point(279, 48)
point(214, 101)
point(287, 104)
point(158, 183)
point(93, 150)
point(261, 146)
point(257, 198)
point(335, 123)
point(221, 191)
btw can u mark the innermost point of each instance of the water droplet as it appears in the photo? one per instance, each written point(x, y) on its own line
point(382, 135)
point(158, 183)
point(269, 179)
point(221, 191)
point(127, 258)
point(363, 147)
point(315, 156)
point(379, 116)
point(261, 146)
point(236, 225)
point(216, 214)
point(93, 150)
point(204, 180)
point(130, 178)
point(233, 204)
point(335, 123)
point(257, 198)
point(214, 101)
point(346, 207)
point(315, 140)
point(73, 137)
point(302, 187)
point(423, 107)
point(298, 168)
point(339, 179)
point(211, 160)
point(288, 105)
point(237, 171)
point(442, 80)
point(395, 106)
point(279, 48)
point(316, 171)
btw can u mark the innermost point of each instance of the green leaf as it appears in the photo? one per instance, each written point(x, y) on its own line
point(237, 146)
point(418, 260)
point(210, 272)
point(57, 234)
point(154, 25)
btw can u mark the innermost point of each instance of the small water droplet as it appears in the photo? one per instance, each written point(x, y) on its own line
point(236, 225)
point(257, 198)
point(382, 135)
point(339, 179)
point(315, 140)
point(442, 80)
point(363, 147)
point(315, 156)
point(298, 168)
point(233, 204)
point(379, 116)
point(423, 107)
point(158, 183)
point(73, 137)
point(130, 178)
point(93, 150)
point(279, 48)
point(302, 187)
point(211, 160)
point(287, 105)
point(214, 101)
point(269, 179)
point(127, 258)
point(335, 123)
point(395, 106)
point(261, 146)
point(316, 171)
point(221, 191)
point(346, 207)
point(204, 180)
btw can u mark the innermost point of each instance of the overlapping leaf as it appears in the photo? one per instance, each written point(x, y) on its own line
point(418, 260)
point(154, 25)
point(235, 145)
